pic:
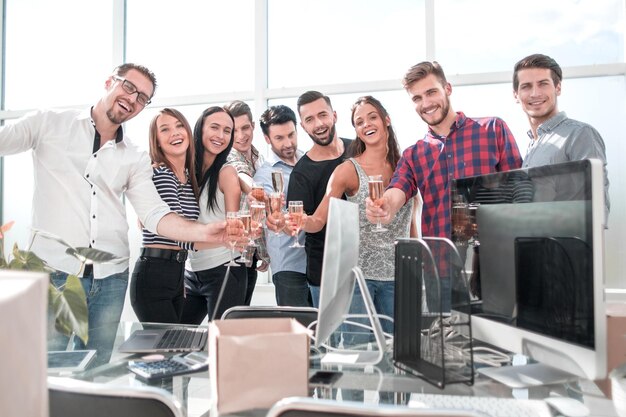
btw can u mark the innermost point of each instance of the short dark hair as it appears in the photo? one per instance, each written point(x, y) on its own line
point(239, 108)
point(420, 71)
point(276, 115)
point(123, 69)
point(538, 61)
point(310, 97)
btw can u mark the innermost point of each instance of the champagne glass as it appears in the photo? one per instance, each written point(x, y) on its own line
point(278, 181)
point(276, 209)
point(246, 219)
point(295, 214)
point(460, 222)
point(375, 183)
point(232, 223)
point(257, 213)
point(257, 192)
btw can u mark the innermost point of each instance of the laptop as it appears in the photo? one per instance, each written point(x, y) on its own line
point(172, 339)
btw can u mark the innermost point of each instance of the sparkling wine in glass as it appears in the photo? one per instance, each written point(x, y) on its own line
point(257, 213)
point(257, 192)
point(232, 224)
point(296, 209)
point(246, 219)
point(276, 209)
point(375, 183)
point(278, 181)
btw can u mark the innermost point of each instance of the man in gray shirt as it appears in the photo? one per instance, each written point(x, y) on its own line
point(555, 138)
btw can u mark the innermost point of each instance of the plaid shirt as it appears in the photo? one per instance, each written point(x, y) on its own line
point(473, 147)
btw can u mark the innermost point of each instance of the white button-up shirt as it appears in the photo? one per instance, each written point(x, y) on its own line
point(78, 193)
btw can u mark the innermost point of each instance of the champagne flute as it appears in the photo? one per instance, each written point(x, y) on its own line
point(278, 181)
point(375, 184)
point(257, 192)
point(276, 209)
point(296, 210)
point(257, 213)
point(232, 223)
point(246, 219)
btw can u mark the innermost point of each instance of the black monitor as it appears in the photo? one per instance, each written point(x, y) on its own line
point(537, 276)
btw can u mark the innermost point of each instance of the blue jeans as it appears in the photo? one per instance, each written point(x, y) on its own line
point(203, 289)
point(315, 295)
point(105, 301)
point(291, 289)
point(382, 294)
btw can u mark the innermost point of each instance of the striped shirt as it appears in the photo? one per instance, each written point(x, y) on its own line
point(181, 200)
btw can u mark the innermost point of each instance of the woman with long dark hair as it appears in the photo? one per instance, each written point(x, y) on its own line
point(376, 152)
point(219, 193)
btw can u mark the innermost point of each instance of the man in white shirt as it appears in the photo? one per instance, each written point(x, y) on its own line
point(83, 166)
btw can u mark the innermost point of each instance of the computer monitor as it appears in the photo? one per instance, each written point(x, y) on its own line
point(538, 277)
point(340, 274)
point(23, 359)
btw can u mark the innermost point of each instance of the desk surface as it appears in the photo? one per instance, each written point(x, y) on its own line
point(381, 384)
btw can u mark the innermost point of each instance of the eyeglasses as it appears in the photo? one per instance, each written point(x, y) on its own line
point(130, 88)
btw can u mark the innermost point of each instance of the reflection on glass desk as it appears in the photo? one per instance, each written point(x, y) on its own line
point(382, 384)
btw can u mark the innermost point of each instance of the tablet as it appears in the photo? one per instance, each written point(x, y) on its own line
point(69, 360)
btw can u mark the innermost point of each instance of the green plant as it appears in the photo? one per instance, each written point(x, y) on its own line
point(69, 303)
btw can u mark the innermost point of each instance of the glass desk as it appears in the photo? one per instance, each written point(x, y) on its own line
point(382, 384)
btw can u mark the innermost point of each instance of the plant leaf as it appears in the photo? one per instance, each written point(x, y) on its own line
point(95, 256)
point(6, 227)
point(26, 260)
point(70, 308)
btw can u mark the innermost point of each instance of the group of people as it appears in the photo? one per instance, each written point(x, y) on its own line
point(84, 164)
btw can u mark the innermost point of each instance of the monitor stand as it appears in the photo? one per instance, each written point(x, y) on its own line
point(359, 357)
point(525, 376)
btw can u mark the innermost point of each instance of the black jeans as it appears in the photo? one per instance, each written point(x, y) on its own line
point(203, 289)
point(156, 289)
point(291, 289)
point(252, 276)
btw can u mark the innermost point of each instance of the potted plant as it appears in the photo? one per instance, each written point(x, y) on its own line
point(69, 303)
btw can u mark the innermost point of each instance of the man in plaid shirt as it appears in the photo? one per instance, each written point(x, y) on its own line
point(455, 146)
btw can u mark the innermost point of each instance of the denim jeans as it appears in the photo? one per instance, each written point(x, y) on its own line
point(156, 289)
point(315, 295)
point(291, 289)
point(382, 294)
point(105, 301)
point(203, 289)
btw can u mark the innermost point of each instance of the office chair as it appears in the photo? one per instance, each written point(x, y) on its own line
point(310, 407)
point(304, 315)
point(73, 398)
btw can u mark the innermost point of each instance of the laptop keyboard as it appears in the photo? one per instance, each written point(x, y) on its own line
point(180, 338)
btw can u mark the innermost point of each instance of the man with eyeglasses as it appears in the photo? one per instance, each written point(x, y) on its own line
point(83, 165)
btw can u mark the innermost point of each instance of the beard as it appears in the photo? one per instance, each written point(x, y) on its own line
point(445, 109)
point(115, 118)
point(327, 141)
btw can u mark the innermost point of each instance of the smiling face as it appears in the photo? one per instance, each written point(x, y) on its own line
point(369, 126)
point(537, 94)
point(431, 100)
point(283, 139)
point(318, 120)
point(121, 106)
point(172, 136)
point(216, 133)
point(244, 129)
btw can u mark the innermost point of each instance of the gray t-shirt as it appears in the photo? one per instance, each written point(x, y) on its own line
point(376, 249)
